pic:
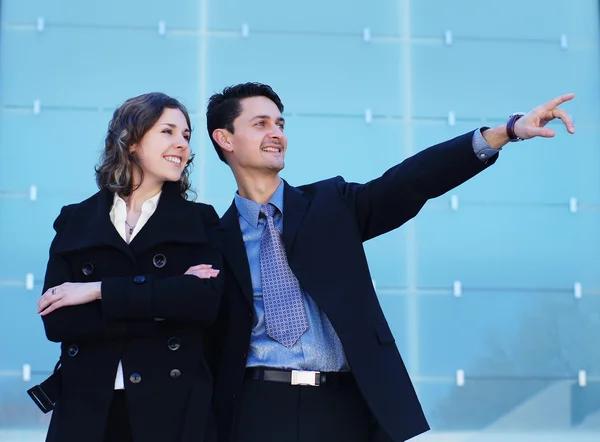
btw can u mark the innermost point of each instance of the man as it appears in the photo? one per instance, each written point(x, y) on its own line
point(306, 354)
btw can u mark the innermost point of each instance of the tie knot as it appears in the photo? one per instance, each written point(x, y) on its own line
point(268, 210)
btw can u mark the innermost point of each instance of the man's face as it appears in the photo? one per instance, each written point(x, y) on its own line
point(258, 141)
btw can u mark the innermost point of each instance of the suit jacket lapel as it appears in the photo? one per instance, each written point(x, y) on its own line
point(235, 251)
point(295, 206)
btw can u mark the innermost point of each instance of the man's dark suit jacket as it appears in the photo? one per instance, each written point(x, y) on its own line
point(325, 225)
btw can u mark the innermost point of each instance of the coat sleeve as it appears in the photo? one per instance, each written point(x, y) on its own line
point(183, 298)
point(389, 201)
point(72, 322)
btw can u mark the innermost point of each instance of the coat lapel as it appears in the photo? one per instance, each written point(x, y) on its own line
point(235, 251)
point(172, 222)
point(295, 206)
point(90, 226)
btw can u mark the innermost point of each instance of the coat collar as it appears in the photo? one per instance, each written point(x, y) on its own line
point(172, 222)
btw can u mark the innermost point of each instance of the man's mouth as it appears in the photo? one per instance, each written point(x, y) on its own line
point(277, 149)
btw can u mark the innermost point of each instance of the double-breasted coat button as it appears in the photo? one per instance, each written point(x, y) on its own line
point(139, 279)
point(73, 350)
point(175, 373)
point(135, 378)
point(174, 344)
point(87, 268)
point(159, 260)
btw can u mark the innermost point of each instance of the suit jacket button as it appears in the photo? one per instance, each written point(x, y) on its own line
point(139, 279)
point(87, 268)
point(175, 373)
point(159, 260)
point(135, 378)
point(73, 350)
point(174, 344)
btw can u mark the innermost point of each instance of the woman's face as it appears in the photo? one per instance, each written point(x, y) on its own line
point(164, 150)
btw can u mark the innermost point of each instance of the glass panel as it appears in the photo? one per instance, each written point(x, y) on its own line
point(507, 334)
point(516, 409)
point(334, 16)
point(185, 13)
point(110, 66)
point(457, 78)
point(534, 20)
point(506, 247)
point(312, 74)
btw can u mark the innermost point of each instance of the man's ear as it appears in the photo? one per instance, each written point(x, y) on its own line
point(223, 139)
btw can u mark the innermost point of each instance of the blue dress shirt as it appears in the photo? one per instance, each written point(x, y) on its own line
point(319, 348)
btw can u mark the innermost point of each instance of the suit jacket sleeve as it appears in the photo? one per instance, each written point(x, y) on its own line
point(184, 298)
point(387, 202)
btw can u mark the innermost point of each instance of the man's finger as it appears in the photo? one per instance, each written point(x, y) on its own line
point(544, 132)
point(566, 119)
point(555, 102)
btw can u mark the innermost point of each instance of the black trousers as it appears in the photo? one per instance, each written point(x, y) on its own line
point(118, 428)
point(277, 412)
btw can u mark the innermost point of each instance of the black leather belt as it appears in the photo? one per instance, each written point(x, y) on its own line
point(300, 377)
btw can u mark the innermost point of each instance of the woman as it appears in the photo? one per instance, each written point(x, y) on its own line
point(120, 295)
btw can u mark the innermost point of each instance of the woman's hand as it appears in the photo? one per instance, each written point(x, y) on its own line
point(69, 293)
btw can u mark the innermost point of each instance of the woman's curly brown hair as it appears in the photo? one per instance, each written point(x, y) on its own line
point(129, 124)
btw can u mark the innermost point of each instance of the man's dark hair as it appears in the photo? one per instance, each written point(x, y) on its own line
point(225, 107)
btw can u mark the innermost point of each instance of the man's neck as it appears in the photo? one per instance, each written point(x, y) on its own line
point(258, 189)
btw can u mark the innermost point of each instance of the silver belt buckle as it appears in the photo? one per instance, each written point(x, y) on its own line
point(301, 377)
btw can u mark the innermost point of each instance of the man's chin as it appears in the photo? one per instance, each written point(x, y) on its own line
point(277, 167)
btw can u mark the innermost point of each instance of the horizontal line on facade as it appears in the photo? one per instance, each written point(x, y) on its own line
point(397, 119)
point(405, 291)
point(356, 34)
point(467, 290)
point(415, 378)
point(442, 204)
point(12, 282)
point(498, 378)
point(28, 108)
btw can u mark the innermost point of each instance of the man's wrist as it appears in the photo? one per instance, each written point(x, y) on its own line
point(496, 137)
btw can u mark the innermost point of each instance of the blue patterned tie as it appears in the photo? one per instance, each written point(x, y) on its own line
point(285, 318)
